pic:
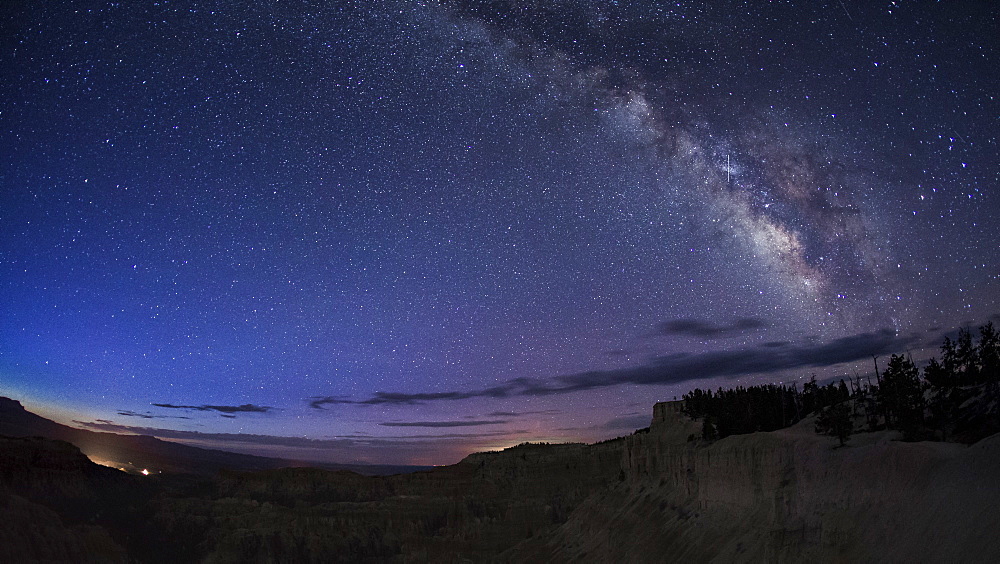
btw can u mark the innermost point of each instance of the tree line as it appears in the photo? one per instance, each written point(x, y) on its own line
point(954, 398)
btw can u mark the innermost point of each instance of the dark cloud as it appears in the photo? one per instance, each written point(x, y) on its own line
point(632, 422)
point(703, 329)
point(317, 402)
point(198, 435)
point(245, 408)
point(348, 441)
point(940, 333)
point(418, 448)
point(129, 413)
point(524, 413)
point(935, 342)
point(682, 367)
point(477, 435)
point(135, 414)
point(670, 369)
point(514, 387)
point(441, 423)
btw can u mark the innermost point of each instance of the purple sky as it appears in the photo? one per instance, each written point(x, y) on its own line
point(402, 232)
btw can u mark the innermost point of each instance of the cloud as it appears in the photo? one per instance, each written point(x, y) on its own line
point(937, 340)
point(275, 440)
point(129, 413)
point(245, 408)
point(512, 388)
point(398, 448)
point(703, 329)
point(317, 402)
point(515, 387)
point(669, 369)
point(103, 425)
point(682, 367)
point(633, 421)
point(441, 423)
point(524, 413)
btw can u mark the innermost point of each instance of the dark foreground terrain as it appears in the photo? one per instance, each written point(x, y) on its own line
point(654, 496)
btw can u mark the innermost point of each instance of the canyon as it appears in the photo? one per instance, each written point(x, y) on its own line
point(660, 494)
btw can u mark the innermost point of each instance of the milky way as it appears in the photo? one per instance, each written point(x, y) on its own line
point(785, 196)
point(337, 230)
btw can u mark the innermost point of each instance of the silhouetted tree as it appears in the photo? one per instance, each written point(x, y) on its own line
point(964, 369)
point(959, 397)
point(810, 391)
point(902, 395)
point(937, 375)
point(742, 410)
point(966, 358)
point(708, 431)
point(944, 399)
point(989, 353)
point(836, 421)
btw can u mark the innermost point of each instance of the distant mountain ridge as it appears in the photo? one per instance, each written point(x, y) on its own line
point(138, 452)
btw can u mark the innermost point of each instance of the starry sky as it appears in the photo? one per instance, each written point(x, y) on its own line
point(401, 232)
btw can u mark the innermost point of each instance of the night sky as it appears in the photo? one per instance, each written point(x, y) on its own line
point(404, 232)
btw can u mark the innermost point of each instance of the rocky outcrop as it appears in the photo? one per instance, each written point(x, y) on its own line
point(786, 496)
point(50, 497)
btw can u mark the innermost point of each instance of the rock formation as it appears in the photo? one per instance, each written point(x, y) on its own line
point(657, 495)
point(785, 496)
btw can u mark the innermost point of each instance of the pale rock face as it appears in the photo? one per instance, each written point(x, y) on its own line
point(788, 496)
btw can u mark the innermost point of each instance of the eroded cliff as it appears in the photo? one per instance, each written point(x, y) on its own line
point(786, 496)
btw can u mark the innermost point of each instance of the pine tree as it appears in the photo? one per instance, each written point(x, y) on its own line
point(708, 431)
point(842, 391)
point(988, 351)
point(810, 391)
point(967, 358)
point(836, 421)
point(902, 396)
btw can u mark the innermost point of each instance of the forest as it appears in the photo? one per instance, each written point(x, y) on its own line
point(951, 399)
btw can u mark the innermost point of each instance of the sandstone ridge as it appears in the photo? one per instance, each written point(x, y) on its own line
point(785, 496)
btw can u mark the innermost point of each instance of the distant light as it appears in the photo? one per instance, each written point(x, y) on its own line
point(145, 472)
